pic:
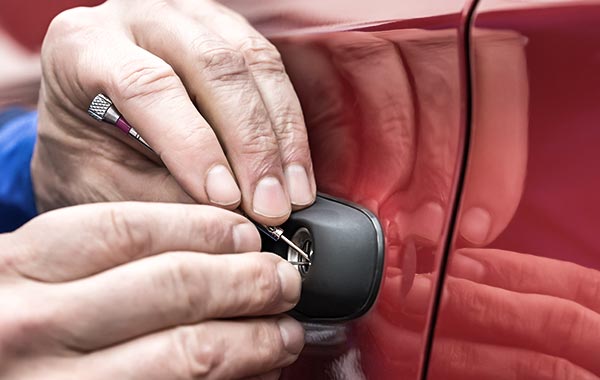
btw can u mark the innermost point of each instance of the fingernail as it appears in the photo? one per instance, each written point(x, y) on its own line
point(475, 225)
point(290, 281)
point(221, 187)
point(298, 185)
point(269, 198)
point(245, 238)
point(292, 335)
point(463, 266)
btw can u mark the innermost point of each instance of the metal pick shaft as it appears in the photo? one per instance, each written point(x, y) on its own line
point(295, 248)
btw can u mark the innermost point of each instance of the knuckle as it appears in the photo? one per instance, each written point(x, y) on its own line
point(291, 133)
point(69, 22)
point(258, 149)
point(325, 108)
point(459, 355)
point(545, 367)
point(218, 61)
point(13, 251)
point(594, 289)
point(587, 289)
point(142, 78)
point(267, 289)
point(199, 353)
point(568, 326)
point(19, 326)
point(129, 236)
point(178, 280)
point(262, 56)
point(196, 137)
point(561, 369)
point(219, 230)
point(361, 49)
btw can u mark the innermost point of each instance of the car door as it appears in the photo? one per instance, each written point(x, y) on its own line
point(383, 86)
point(521, 298)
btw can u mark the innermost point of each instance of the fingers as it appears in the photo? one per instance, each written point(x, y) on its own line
point(217, 77)
point(524, 273)
point(454, 359)
point(386, 110)
point(76, 242)
point(176, 289)
point(265, 65)
point(498, 151)
point(150, 96)
point(211, 350)
point(330, 113)
point(540, 323)
point(159, 60)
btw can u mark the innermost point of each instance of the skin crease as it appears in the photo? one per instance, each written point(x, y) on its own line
point(376, 126)
point(529, 317)
point(178, 71)
point(161, 294)
point(474, 279)
point(185, 304)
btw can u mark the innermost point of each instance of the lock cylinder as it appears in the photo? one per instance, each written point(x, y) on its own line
point(303, 239)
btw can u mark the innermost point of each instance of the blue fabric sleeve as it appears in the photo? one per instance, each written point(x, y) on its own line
point(17, 138)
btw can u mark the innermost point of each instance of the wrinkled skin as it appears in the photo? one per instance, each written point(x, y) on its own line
point(165, 293)
point(203, 88)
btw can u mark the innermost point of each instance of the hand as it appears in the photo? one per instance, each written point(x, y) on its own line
point(143, 291)
point(529, 317)
point(396, 147)
point(206, 91)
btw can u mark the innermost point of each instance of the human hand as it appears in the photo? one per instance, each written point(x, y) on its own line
point(529, 317)
point(203, 88)
point(396, 148)
point(144, 291)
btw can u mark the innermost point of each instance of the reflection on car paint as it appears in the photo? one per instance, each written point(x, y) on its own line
point(521, 298)
point(383, 112)
point(384, 105)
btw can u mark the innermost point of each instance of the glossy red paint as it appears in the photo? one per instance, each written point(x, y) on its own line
point(384, 103)
point(522, 294)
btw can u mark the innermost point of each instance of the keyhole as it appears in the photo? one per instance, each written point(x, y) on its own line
point(303, 239)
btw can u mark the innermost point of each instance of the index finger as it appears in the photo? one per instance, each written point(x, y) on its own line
point(150, 96)
point(77, 242)
point(217, 77)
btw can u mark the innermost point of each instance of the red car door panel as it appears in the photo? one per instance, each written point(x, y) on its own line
point(521, 298)
point(383, 91)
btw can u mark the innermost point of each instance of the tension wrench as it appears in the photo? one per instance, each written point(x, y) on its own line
point(102, 109)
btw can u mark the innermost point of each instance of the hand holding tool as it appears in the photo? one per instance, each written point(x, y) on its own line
point(103, 109)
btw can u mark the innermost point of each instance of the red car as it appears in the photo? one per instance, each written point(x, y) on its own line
point(472, 130)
